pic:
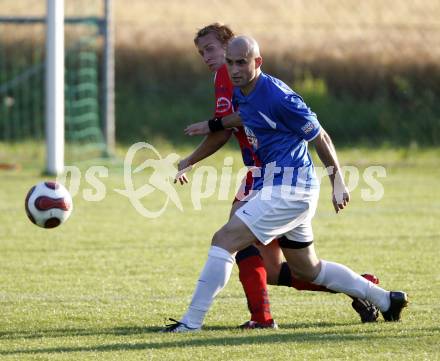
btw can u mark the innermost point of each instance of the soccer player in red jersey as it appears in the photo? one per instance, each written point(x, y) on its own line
point(258, 265)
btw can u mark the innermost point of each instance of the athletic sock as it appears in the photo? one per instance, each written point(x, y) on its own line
point(340, 278)
point(287, 279)
point(213, 278)
point(253, 277)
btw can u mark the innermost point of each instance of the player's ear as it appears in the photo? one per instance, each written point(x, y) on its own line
point(258, 62)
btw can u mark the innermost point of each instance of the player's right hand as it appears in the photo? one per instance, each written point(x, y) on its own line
point(200, 128)
point(183, 167)
point(341, 197)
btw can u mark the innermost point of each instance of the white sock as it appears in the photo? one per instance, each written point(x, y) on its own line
point(213, 278)
point(340, 278)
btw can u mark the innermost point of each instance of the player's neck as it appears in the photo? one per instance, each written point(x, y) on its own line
point(218, 68)
point(246, 90)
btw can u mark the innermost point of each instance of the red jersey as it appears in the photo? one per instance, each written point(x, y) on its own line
point(223, 106)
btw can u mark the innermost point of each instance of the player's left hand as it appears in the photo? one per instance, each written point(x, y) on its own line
point(341, 197)
point(200, 128)
point(183, 167)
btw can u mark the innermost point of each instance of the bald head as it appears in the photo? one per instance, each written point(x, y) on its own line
point(244, 61)
point(245, 45)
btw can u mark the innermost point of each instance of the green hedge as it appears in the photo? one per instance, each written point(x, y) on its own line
point(159, 93)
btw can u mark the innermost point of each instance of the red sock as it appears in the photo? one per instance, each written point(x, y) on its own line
point(307, 286)
point(253, 277)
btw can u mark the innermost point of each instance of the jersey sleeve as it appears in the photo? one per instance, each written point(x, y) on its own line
point(298, 117)
point(223, 93)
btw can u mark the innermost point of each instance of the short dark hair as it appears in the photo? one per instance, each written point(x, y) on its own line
point(222, 32)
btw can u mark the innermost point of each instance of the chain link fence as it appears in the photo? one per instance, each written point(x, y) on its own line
point(22, 69)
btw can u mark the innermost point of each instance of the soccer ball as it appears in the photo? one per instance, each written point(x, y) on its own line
point(48, 204)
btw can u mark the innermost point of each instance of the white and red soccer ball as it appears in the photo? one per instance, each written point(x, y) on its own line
point(48, 204)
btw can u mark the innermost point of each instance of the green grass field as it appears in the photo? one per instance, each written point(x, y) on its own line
point(102, 285)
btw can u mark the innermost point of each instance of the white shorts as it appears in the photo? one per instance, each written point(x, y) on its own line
point(279, 215)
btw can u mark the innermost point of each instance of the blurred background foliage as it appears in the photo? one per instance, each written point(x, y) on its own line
point(370, 70)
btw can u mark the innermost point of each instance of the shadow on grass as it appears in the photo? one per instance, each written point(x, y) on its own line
point(132, 330)
point(72, 332)
point(238, 338)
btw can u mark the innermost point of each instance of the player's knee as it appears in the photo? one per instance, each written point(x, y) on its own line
point(228, 237)
point(221, 238)
point(217, 238)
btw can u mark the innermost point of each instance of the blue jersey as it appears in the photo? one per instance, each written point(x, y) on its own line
point(278, 125)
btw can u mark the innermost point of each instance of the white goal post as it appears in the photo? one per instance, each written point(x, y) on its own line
point(54, 93)
point(54, 81)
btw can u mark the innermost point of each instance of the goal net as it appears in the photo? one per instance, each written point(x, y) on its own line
point(22, 75)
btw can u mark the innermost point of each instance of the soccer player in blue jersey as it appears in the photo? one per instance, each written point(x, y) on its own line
point(279, 125)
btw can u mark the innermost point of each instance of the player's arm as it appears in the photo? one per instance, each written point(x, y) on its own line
point(327, 153)
point(232, 120)
point(212, 143)
point(294, 113)
point(214, 125)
